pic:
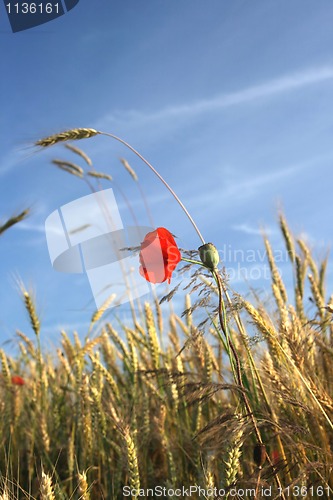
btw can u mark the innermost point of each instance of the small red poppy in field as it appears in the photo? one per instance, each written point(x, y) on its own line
point(17, 380)
point(159, 256)
point(275, 456)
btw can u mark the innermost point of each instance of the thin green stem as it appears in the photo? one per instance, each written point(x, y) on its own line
point(160, 177)
point(222, 319)
point(224, 327)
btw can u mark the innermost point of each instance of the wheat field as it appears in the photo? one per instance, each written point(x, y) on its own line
point(238, 405)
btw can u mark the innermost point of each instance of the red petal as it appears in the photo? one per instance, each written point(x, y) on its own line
point(159, 256)
point(16, 380)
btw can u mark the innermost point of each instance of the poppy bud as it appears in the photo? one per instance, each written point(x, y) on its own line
point(209, 255)
point(259, 454)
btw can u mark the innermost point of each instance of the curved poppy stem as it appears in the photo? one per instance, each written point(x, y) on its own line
point(160, 177)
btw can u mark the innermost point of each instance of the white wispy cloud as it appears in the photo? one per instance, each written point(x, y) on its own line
point(13, 159)
point(66, 326)
point(160, 120)
point(269, 89)
point(232, 188)
point(240, 189)
point(248, 229)
point(28, 226)
point(247, 186)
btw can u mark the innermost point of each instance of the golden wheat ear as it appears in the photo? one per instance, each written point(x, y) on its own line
point(14, 220)
point(74, 134)
point(46, 488)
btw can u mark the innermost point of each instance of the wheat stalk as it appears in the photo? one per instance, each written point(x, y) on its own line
point(5, 369)
point(71, 452)
point(79, 152)
point(309, 259)
point(30, 307)
point(99, 175)
point(4, 495)
point(44, 432)
point(70, 167)
point(74, 134)
point(288, 238)
point(159, 316)
point(83, 486)
point(154, 346)
point(274, 270)
point(99, 313)
point(14, 220)
point(232, 461)
point(132, 461)
point(129, 169)
point(106, 373)
point(318, 298)
point(46, 488)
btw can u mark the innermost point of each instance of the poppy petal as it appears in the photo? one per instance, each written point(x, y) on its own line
point(17, 380)
point(159, 256)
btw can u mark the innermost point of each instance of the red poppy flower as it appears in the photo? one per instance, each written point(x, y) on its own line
point(159, 256)
point(275, 456)
point(17, 380)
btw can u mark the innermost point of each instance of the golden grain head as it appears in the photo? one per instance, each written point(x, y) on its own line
point(31, 308)
point(46, 487)
point(69, 167)
point(74, 134)
point(83, 485)
point(79, 152)
point(129, 169)
point(106, 304)
point(14, 220)
point(99, 175)
point(288, 238)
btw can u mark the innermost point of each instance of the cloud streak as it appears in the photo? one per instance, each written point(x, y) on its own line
point(255, 231)
point(241, 190)
point(269, 89)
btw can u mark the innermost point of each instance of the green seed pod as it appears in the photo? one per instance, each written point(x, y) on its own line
point(209, 255)
point(259, 454)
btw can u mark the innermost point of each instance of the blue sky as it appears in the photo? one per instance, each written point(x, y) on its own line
point(231, 101)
